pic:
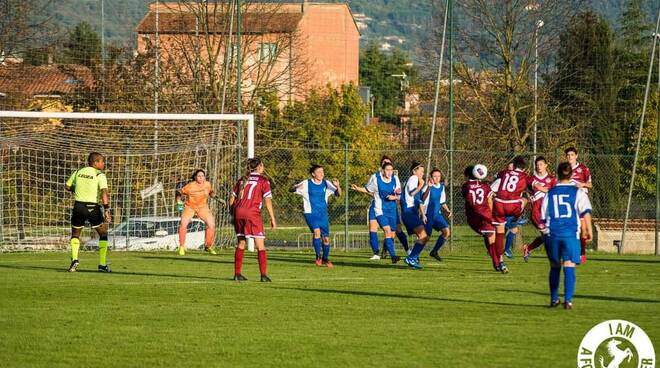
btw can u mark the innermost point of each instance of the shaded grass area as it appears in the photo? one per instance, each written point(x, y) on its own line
point(158, 309)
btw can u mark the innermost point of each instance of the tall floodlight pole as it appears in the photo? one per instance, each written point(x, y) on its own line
point(451, 111)
point(539, 24)
point(239, 65)
point(437, 89)
point(639, 135)
point(657, 167)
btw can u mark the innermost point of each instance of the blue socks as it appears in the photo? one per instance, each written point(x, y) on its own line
point(317, 246)
point(373, 241)
point(554, 283)
point(510, 237)
point(403, 239)
point(389, 244)
point(417, 249)
point(569, 284)
point(326, 252)
point(438, 244)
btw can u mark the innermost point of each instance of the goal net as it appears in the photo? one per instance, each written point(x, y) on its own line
point(148, 156)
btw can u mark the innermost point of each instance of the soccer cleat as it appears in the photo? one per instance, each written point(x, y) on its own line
point(210, 250)
point(104, 269)
point(555, 303)
point(568, 305)
point(375, 257)
point(504, 268)
point(436, 256)
point(74, 266)
point(413, 263)
point(182, 251)
point(318, 262)
point(583, 259)
point(508, 253)
point(239, 277)
point(265, 278)
point(328, 264)
point(526, 253)
point(395, 259)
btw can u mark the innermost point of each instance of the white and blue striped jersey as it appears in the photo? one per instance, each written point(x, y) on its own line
point(562, 208)
point(315, 195)
point(436, 198)
point(381, 189)
point(410, 201)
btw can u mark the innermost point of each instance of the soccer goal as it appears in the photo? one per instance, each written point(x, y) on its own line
point(148, 157)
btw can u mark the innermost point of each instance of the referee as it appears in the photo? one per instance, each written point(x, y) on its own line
point(88, 185)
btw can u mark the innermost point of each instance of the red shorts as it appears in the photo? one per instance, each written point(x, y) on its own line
point(248, 225)
point(536, 215)
point(480, 223)
point(501, 210)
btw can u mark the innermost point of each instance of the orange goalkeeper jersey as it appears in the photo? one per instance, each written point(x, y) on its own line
point(197, 194)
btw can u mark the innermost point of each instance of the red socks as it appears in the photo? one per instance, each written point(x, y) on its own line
point(238, 260)
point(492, 253)
point(535, 244)
point(499, 243)
point(262, 261)
point(583, 246)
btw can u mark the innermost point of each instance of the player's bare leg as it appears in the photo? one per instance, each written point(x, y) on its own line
point(583, 245)
point(186, 217)
point(238, 259)
point(209, 220)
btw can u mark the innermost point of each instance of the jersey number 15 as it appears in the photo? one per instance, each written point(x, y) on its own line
point(562, 209)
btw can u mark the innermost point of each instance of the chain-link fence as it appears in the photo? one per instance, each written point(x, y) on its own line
point(348, 213)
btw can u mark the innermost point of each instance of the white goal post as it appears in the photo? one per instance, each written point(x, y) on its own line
point(143, 151)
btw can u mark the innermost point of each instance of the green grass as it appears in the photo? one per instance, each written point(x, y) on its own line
point(158, 309)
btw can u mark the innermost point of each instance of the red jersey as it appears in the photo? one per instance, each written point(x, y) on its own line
point(581, 174)
point(547, 181)
point(510, 185)
point(249, 196)
point(476, 196)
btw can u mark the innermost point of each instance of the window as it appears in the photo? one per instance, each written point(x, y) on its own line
point(266, 51)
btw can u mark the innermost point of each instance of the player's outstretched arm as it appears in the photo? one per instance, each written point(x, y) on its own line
point(361, 189)
point(335, 182)
point(271, 213)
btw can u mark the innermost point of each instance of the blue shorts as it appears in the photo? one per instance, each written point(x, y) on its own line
point(316, 221)
point(372, 212)
point(388, 218)
point(412, 220)
point(561, 249)
point(437, 223)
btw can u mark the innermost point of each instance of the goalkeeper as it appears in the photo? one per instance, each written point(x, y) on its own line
point(88, 185)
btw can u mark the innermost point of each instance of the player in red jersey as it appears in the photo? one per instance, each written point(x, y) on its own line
point(582, 179)
point(246, 199)
point(478, 211)
point(510, 186)
point(541, 183)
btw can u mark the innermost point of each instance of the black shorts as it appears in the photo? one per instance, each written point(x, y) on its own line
point(91, 212)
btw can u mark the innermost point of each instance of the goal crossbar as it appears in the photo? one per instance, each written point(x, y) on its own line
point(249, 118)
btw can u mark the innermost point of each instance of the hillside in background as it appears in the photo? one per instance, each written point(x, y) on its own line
point(392, 23)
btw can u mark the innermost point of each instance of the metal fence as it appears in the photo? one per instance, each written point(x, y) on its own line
point(348, 214)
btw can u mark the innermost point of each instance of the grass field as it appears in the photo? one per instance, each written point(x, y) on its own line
point(158, 309)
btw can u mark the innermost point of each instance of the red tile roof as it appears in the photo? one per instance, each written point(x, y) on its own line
point(185, 22)
point(45, 79)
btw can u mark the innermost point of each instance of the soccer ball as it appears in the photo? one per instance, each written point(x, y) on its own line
point(480, 171)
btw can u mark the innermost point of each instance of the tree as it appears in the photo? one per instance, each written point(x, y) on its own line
point(24, 25)
point(495, 49)
point(83, 46)
point(376, 70)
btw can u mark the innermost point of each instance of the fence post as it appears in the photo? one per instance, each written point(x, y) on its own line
point(450, 51)
point(2, 197)
point(127, 199)
point(346, 191)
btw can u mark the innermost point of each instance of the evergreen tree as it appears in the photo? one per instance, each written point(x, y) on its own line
point(83, 46)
